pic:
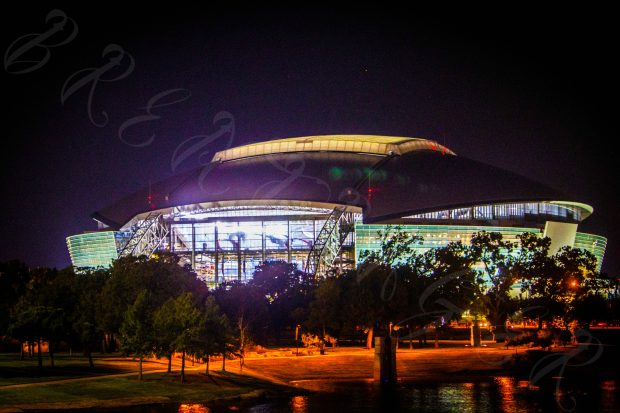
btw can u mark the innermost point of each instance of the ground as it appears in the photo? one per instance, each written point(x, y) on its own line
point(115, 384)
point(272, 373)
point(354, 363)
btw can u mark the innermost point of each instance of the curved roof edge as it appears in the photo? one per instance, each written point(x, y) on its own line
point(240, 202)
point(586, 210)
point(368, 144)
point(589, 209)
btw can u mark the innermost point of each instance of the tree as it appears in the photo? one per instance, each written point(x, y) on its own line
point(378, 297)
point(161, 275)
point(137, 329)
point(14, 278)
point(500, 271)
point(87, 331)
point(441, 287)
point(213, 333)
point(567, 285)
point(325, 308)
point(288, 292)
point(187, 318)
point(590, 307)
point(50, 294)
point(182, 319)
point(246, 307)
point(27, 326)
point(54, 325)
point(396, 247)
point(166, 330)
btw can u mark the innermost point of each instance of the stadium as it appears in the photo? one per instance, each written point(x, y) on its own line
point(319, 201)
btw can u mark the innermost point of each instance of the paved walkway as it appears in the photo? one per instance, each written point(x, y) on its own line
point(149, 370)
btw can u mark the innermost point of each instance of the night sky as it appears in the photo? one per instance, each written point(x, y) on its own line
point(528, 90)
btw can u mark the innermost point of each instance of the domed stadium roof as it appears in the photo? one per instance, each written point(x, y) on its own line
point(369, 144)
point(388, 177)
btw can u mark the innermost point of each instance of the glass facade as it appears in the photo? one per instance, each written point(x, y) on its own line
point(506, 211)
point(231, 250)
point(435, 236)
point(184, 213)
point(94, 249)
point(593, 243)
point(227, 243)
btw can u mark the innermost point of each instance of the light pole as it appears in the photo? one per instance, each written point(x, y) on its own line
point(297, 339)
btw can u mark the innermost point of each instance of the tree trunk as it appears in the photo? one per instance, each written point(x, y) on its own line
point(182, 366)
point(499, 328)
point(170, 363)
point(21, 350)
point(39, 357)
point(90, 360)
point(51, 353)
point(436, 337)
point(499, 333)
point(207, 366)
point(540, 323)
point(410, 340)
point(30, 349)
point(474, 334)
point(224, 362)
point(369, 338)
point(140, 369)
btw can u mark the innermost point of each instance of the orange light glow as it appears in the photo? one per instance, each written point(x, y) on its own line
point(299, 404)
point(193, 408)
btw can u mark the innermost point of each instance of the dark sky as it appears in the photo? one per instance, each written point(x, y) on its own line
point(532, 91)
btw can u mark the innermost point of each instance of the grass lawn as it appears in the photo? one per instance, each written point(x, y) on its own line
point(16, 371)
point(73, 384)
point(127, 390)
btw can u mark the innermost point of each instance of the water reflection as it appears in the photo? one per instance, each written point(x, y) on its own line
point(493, 394)
point(193, 408)
point(609, 395)
point(506, 388)
point(490, 394)
point(299, 404)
